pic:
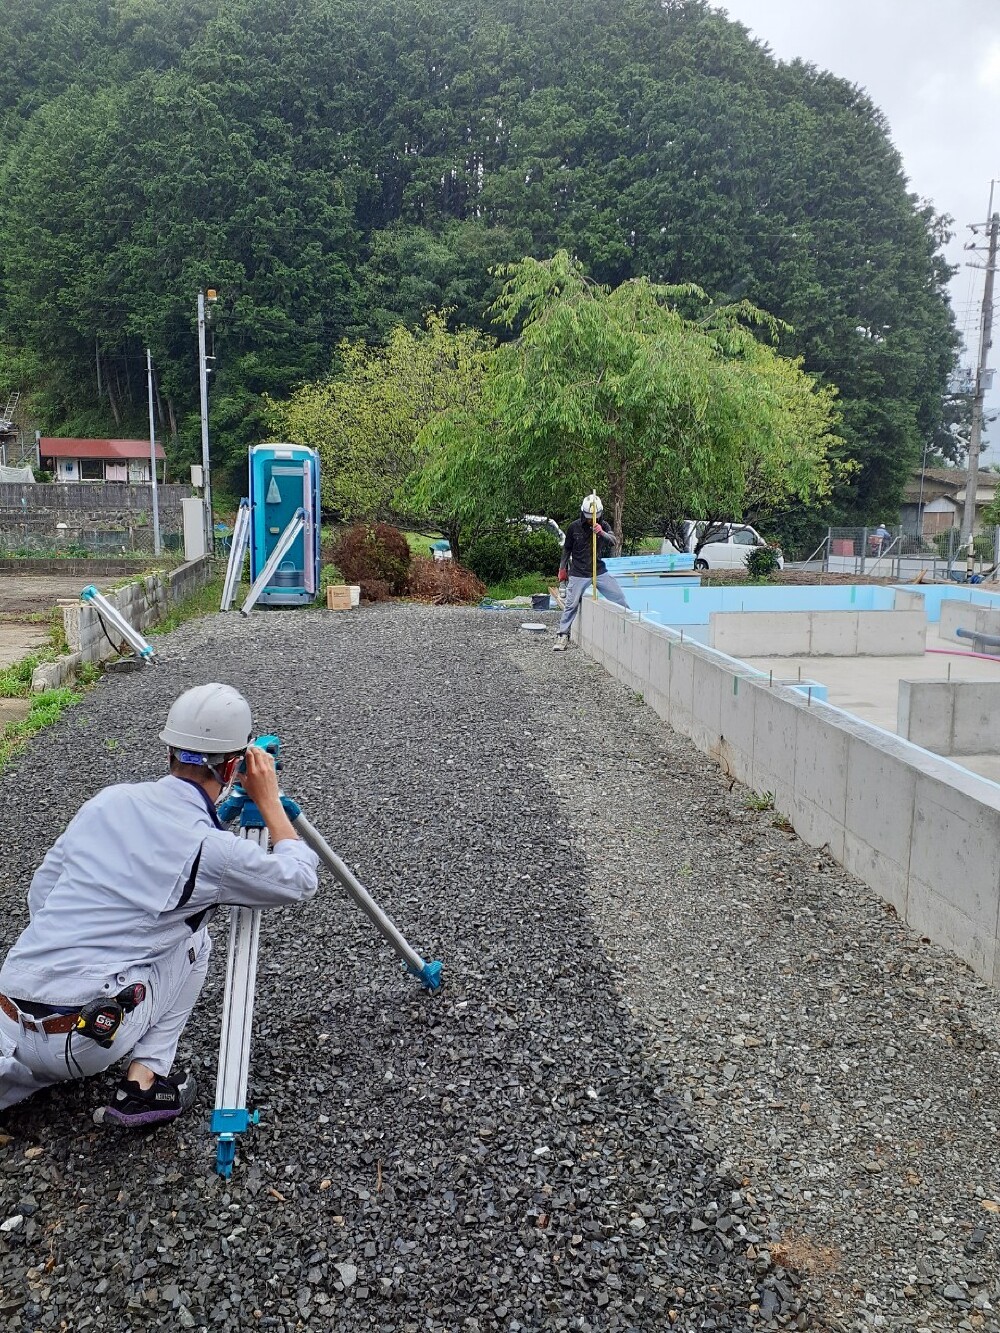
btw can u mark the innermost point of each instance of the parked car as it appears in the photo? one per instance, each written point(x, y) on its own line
point(728, 545)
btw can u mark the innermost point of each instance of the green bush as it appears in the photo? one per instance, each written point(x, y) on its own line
point(511, 552)
point(762, 562)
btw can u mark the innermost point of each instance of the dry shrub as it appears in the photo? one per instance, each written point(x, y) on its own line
point(443, 582)
point(370, 554)
point(375, 590)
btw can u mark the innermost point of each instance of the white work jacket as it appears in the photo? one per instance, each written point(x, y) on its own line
point(137, 870)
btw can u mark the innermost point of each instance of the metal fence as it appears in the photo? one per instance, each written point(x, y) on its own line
point(893, 553)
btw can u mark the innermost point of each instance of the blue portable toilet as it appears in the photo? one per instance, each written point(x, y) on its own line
point(283, 479)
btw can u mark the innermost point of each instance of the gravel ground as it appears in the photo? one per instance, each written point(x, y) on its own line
point(683, 1073)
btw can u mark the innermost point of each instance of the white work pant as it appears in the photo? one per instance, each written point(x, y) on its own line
point(150, 1033)
point(606, 586)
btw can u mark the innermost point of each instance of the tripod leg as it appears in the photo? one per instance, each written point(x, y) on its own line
point(282, 547)
point(429, 973)
point(231, 1116)
point(241, 539)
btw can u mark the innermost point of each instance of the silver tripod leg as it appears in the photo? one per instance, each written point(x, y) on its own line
point(231, 1116)
point(238, 549)
point(282, 547)
point(429, 973)
point(128, 632)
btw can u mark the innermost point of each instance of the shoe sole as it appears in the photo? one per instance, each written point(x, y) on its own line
point(107, 1114)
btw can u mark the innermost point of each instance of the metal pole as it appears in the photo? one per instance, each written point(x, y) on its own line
point(152, 454)
point(593, 534)
point(864, 548)
point(205, 464)
point(985, 343)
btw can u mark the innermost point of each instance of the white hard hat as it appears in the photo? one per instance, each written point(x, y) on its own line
point(591, 502)
point(209, 720)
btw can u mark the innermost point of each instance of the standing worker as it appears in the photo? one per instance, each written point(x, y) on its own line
point(113, 958)
point(582, 565)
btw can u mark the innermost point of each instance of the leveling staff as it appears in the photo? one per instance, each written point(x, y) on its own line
point(116, 951)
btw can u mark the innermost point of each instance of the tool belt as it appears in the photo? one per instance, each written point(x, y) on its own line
point(58, 1023)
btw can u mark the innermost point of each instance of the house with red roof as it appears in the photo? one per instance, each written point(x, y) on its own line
point(98, 460)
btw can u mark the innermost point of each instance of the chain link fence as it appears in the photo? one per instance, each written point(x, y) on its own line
point(893, 553)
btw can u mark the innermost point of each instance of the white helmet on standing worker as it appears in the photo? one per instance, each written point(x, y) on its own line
point(591, 503)
point(210, 721)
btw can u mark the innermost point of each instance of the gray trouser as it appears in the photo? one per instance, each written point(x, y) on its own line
point(606, 586)
point(150, 1033)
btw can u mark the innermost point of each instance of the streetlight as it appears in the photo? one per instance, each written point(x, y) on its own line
point(210, 296)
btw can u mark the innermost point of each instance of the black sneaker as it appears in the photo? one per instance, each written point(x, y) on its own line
point(166, 1099)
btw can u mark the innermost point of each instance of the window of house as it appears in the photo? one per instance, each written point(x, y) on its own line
point(91, 469)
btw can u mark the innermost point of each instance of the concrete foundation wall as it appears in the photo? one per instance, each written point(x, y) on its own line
point(142, 603)
point(968, 616)
point(950, 716)
point(819, 633)
point(922, 832)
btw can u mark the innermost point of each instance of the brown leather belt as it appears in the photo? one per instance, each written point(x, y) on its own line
point(54, 1025)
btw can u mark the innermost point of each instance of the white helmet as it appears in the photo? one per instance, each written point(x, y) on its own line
point(591, 502)
point(209, 720)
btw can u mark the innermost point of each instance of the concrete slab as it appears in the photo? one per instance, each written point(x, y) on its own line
point(868, 687)
point(18, 640)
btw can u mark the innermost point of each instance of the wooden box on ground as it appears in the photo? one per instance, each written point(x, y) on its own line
point(342, 596)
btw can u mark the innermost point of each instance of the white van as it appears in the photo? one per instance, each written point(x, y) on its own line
point(727, 547)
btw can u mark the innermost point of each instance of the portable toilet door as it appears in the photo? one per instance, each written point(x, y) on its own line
point(283, 479)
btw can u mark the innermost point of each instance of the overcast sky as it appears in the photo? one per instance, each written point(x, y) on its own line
point(933, 67)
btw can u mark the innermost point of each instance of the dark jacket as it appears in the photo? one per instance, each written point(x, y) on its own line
point(578, 548)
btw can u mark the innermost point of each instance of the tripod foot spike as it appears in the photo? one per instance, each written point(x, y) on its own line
point(429, 974)
point(225, 1155)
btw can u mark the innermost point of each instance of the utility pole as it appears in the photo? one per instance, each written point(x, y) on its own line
point(152, 454)
point(985, 343)
point(206, 474)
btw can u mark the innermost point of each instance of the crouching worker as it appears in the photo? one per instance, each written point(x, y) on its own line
point(577, 569)
point(117, 938)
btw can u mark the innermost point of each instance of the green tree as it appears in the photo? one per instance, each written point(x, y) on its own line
point(616, 389)
point(366, 418)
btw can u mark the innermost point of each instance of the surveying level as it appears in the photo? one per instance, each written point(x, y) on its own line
point(132, 637)
point(231, 1116)
point(237, 550)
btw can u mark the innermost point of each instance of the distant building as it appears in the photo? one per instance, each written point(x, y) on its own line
point(98, 460)
point(934, 499)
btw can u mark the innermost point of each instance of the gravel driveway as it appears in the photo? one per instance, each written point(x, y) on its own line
point(684, 1072)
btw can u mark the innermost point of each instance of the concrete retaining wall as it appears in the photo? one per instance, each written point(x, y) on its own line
point(951, 716)
point(142, 603)
point(922, 832)
point(819, 633)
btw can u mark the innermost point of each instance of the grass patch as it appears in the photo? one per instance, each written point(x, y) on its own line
point(525, 585)
point(45, 709)
point(204, 602)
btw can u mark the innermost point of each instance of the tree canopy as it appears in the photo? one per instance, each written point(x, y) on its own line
point(668, 415)
point(335, 168)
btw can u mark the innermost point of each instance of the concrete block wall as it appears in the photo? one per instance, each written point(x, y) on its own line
point(921, 831)
point(950, 716)
point(143, 604)
point(819, 633)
